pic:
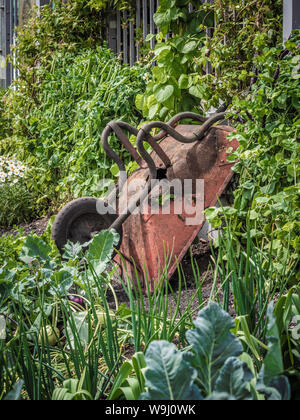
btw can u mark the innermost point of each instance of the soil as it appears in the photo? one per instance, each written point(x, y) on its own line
point(201, 262)
point(37, 227)
point(201, 258)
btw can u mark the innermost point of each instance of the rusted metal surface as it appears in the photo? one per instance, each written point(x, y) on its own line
point(187, 165)
point(156, 240)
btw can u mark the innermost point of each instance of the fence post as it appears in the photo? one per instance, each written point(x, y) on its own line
point(291, 17)
point(8, 39)
point(2, 45)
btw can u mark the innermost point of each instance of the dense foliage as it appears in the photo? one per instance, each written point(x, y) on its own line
point(268, 157)
point(61, 137)
point(53, 116)
point(194, 72)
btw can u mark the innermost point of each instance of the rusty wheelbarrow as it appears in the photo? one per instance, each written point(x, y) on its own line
point(157, 210)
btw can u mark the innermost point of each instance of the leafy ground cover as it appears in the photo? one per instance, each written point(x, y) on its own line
point(59, 327)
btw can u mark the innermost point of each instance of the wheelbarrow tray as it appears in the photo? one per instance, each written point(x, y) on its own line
point(154, 244)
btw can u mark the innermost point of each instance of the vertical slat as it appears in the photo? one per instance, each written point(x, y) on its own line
point(118, 32)
point(125, 38)
point(7, 24)
point(131, 43)
point(145, 19)
point(137, 27)
point(209, 34)
point(152, 25)
point(14, 24)
point(112, 32)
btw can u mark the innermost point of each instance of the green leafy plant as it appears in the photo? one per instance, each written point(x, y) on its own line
point(193, 71)
point(213, 368)
point(287, 312)
point(71, 391)
point(60, 138)
point(44, 323)
point(130, 382)
point(268, 191)
point(16, 201)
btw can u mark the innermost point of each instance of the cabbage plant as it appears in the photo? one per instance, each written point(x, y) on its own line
point(215, 367)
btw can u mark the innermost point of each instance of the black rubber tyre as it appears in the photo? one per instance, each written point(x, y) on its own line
point(79, 220)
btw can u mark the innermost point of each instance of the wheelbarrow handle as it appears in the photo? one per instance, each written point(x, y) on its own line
point(116, 127)
point(143, 135)
point(113, 155)
point(198, 135)
point(175, 120)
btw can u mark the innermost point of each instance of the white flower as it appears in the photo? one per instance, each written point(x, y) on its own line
point(11, 167)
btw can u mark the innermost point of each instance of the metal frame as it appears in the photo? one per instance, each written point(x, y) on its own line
point(291, 17)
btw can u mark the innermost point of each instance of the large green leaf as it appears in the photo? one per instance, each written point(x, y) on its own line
point(169, 374)
point(271, 382)
point(72, 251)
point(276, 391)
point(234, 379)
point(183, 81)
point(163, 93)
point(273, 364)
point(63, 279)
point(213, 344)
point(101, 249)
point(34, 248)
point(189, 47)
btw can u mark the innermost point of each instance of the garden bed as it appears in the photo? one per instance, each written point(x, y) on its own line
point(200, 253)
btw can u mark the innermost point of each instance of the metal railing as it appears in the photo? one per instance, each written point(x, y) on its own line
point(12, 14)
point(125, 32)
point(9, 18)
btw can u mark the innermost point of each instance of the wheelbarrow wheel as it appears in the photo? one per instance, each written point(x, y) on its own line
point(79, 221)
